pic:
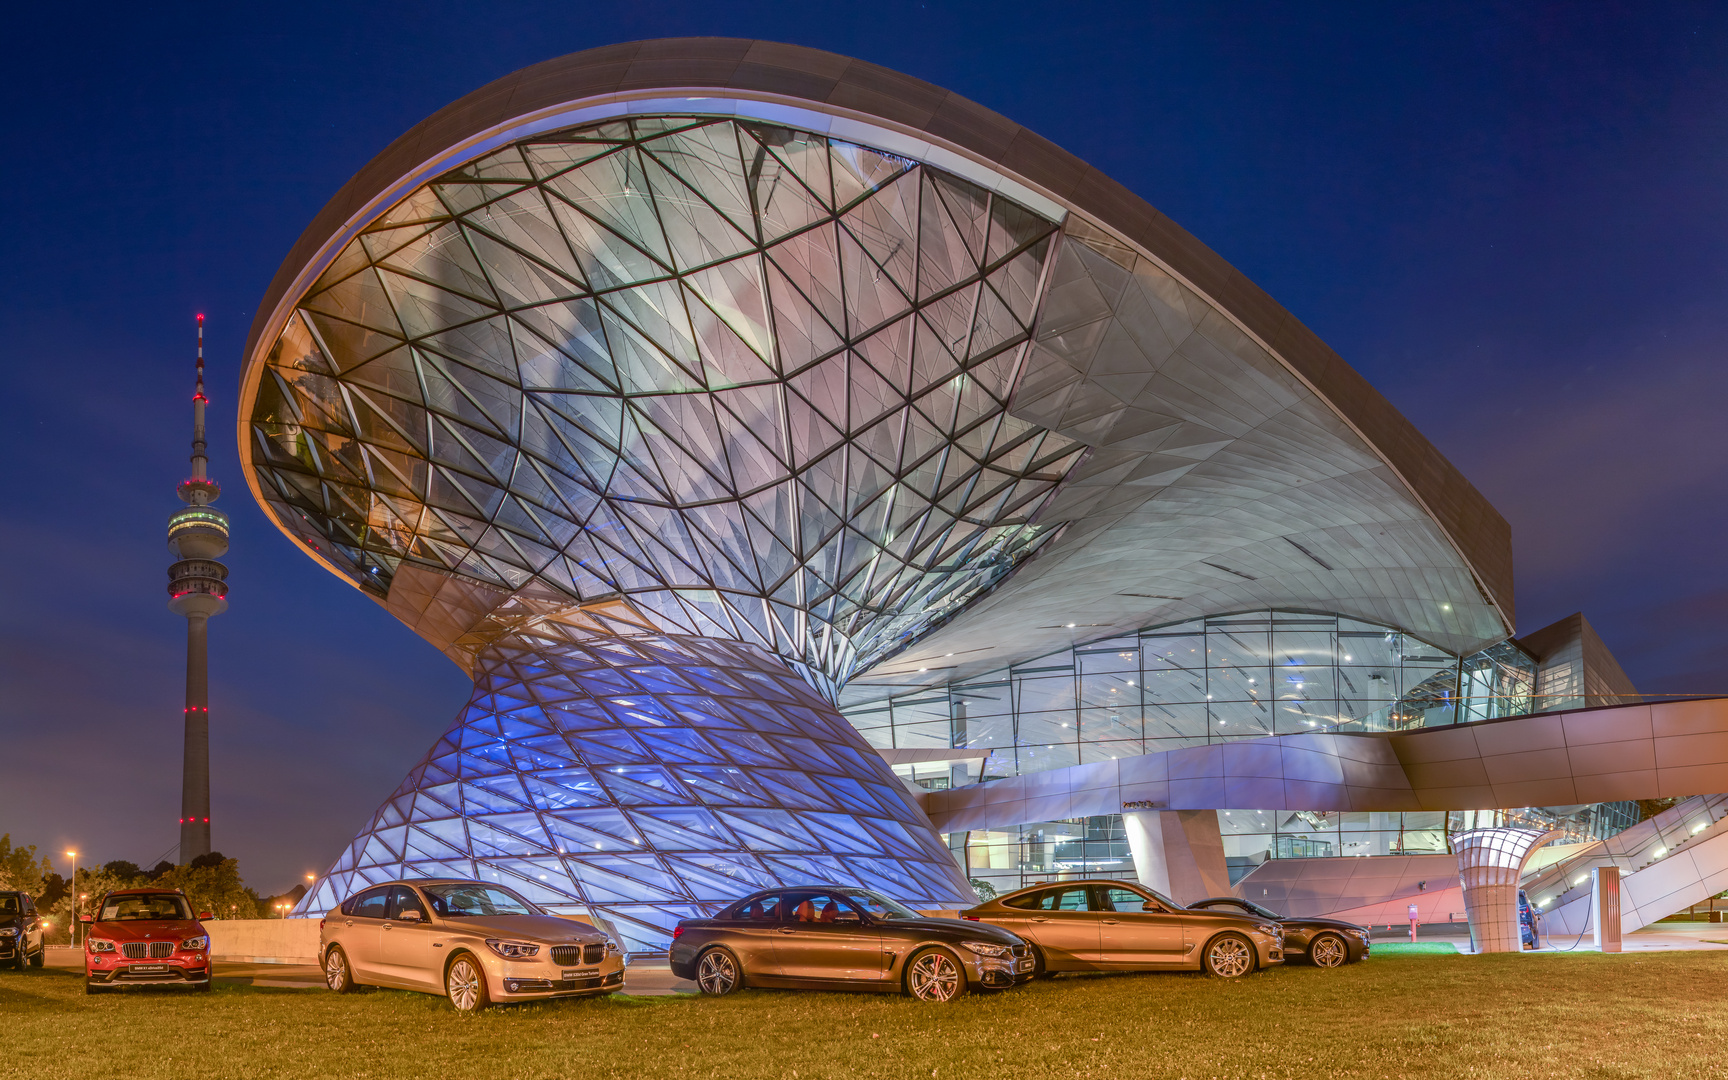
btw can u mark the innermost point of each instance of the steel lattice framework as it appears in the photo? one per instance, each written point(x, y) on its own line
point(640, 780)
point(751, 378)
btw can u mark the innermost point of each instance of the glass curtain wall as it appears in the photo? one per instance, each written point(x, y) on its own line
point(1008, 859)
point(1242, 676)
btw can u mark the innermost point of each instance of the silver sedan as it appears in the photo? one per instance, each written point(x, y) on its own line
point(471, 941)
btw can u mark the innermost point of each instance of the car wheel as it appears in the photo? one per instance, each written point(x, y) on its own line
point(718, 973)
point(338, 976)
point(465, 984)
point(1328, 951)
point(1228, 956)
point(40, 958)
point(934, 975)
point(21, 961)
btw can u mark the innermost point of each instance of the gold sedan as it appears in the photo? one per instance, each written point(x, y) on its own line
point(471, 941)
point(1124, 926)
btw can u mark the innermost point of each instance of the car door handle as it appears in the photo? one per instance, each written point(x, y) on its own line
point(787, 930)
point(1039, 918)
point(386, 926)
point(1111, 922)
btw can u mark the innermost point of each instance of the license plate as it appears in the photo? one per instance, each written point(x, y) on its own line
point(1023, 965)
point(586, 973)
point(148, 969)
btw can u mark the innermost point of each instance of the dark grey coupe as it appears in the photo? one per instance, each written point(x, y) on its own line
point(844, 939)
point(1326, 943)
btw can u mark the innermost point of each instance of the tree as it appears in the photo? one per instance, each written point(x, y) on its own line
point(19, 868)
point(214, 888)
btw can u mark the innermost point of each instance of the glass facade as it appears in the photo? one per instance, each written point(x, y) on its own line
point(1242, 676)
point(637, 781)
point(751, 378)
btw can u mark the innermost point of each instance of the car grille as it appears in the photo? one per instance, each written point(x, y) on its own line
point(1020, 950)
point(578, 954)
point(155, 950)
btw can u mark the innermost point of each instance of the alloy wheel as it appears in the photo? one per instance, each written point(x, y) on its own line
point(336, 970)
point(463, 983)
point(717, 974)
point(1327, 951)
point(1229, 957)
point(934, 977)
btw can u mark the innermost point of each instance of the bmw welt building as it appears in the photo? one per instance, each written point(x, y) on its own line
point(824, 478)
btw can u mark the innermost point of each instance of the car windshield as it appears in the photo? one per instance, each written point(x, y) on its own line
point(150, 906)
point(468, 901)
point(877, 905)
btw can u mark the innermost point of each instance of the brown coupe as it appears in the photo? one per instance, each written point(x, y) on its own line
point(843, 939)
point(1124, 926)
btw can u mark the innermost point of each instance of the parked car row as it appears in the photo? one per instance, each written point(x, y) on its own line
point(477, 943)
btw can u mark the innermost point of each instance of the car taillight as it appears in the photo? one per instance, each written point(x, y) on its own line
point(676, 930)
point(971, 918)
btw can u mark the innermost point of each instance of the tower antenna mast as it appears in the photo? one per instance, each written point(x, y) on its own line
point(197, 590)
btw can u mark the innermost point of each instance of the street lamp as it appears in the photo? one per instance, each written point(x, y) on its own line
point(72, 897)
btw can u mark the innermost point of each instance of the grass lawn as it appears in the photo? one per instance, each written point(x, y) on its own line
point(1399, 1015)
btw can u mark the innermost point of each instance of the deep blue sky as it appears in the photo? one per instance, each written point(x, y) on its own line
point(1510, 218)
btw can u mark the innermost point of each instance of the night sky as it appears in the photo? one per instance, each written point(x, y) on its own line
point(1510, 218)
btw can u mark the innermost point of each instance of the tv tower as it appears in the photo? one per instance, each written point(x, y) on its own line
point(198, 585)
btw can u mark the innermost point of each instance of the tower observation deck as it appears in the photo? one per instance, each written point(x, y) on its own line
point(198, 589)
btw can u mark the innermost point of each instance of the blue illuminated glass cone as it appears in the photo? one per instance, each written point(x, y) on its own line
point(640, 780)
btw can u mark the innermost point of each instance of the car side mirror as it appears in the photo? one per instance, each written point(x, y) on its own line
point(411, 916)
point(87, 918)
point(205, 915)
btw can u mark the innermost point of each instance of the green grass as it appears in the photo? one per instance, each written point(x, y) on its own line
point(1407, 948)
point(1403, 1015)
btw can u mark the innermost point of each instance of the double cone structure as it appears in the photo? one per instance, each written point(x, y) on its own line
point(673, 388)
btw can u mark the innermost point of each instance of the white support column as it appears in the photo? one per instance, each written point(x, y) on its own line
point(1180, 853)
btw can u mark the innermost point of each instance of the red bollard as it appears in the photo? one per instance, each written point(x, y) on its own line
point(1415, 920)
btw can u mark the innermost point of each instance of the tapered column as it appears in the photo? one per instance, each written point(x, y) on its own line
point(195, 774)
point(639, 781)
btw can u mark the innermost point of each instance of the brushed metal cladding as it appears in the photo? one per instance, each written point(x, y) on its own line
point(1553, 759)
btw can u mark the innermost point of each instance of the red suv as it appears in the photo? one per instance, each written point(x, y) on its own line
point(145, 937)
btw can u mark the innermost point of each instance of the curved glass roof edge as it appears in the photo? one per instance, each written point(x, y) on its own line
point(843, 128)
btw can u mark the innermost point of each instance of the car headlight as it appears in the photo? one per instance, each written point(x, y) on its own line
point(8, 931)
point(987, 948)
point(96, 944)
point(1267, 929)
point(612, 947)
point(512, 950)
point(196, 944)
